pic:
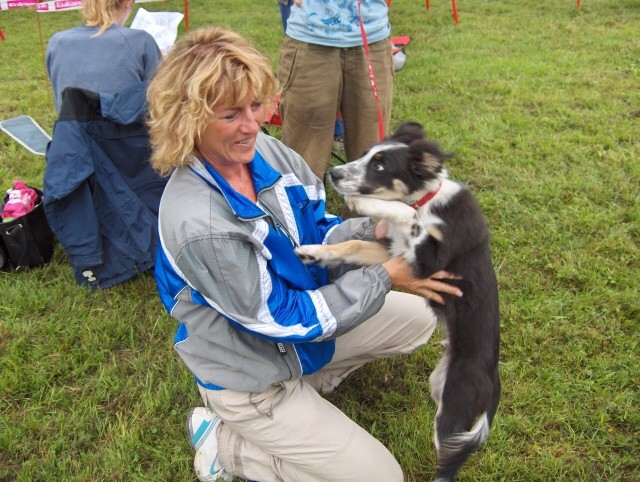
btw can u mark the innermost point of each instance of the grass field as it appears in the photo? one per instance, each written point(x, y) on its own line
point(540, 101)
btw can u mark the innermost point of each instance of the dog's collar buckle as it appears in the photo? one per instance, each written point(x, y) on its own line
point(426, 198)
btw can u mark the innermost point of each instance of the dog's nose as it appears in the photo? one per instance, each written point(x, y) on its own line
point(335, 174)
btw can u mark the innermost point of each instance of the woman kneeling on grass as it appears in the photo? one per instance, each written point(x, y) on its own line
point(262, 332)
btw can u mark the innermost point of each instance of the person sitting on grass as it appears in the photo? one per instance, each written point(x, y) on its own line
point(101, 55)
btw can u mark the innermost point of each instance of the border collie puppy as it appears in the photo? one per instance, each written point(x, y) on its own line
point(436, 224)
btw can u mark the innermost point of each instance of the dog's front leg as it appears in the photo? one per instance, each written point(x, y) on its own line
point(397, 212)
point(394, 211)
point(355, 251)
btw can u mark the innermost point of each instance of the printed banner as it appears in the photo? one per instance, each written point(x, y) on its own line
point(59, 5)
point(8, 4)
point(52, 6)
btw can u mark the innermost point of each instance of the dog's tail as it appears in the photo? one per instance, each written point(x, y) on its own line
point(454, 449)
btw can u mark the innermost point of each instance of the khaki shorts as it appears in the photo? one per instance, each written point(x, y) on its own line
point(317, 82)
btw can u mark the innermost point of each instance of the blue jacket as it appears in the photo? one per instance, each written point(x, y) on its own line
point(250, 313)
point(101, 195)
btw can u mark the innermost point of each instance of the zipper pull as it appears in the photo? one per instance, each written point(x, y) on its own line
point(281, 349)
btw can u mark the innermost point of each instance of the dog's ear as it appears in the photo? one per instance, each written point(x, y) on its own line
point(407, 132)
point(428, 158)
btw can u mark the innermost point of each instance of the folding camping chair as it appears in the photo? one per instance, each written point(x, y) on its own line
point(26, 131)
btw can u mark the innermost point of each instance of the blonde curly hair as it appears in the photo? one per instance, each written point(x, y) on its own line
point(207, 69)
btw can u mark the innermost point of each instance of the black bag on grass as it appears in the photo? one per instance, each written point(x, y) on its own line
point(26, 241)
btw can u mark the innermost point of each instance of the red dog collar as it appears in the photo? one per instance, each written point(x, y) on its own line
point(426, 198)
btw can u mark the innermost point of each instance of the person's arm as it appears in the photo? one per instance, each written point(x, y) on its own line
point(151, 58)
point(238, 281)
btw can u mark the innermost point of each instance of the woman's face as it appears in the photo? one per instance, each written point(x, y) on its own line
point(230, 138)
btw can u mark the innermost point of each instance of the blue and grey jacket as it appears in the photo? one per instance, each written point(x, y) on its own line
point(250, 313)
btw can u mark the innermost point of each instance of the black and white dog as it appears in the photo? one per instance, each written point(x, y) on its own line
point(436, 224)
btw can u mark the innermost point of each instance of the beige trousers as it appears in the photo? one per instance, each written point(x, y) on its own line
point(318, 82)
point(291, 433)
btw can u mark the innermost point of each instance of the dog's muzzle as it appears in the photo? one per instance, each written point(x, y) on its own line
point(335, 174)
point(345, 179)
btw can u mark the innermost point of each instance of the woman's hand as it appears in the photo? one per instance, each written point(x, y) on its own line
point(430, 288)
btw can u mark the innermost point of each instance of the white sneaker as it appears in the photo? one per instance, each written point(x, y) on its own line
point(202, 428)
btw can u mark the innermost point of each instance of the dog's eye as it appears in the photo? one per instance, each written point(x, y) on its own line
point(378, 166)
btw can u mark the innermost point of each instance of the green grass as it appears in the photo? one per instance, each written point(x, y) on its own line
point(540, 101)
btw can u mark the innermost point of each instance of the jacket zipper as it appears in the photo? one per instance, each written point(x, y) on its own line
point(279, 225)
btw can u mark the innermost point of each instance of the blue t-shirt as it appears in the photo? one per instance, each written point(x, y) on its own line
point(107, 63)
point(336, 23)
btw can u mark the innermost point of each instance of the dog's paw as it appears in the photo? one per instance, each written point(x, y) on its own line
point(316, 254)
point(367, 206)
point(352, 203)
